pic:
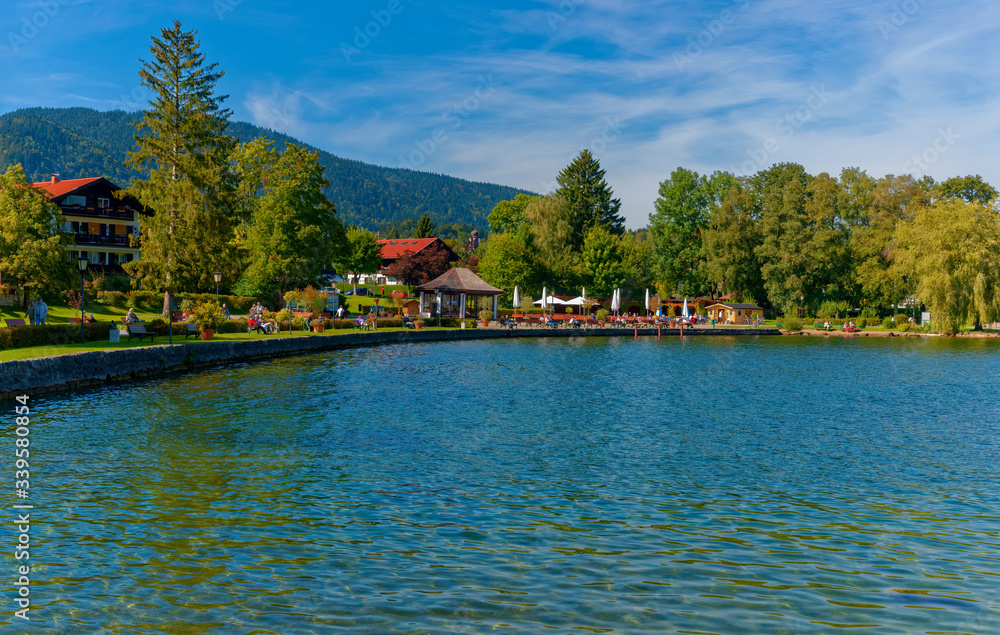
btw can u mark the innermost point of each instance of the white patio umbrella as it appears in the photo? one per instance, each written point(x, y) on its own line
point(544, 295)
point(684, 311)
point(616, 303)
point(647, 301)
point(517, 297)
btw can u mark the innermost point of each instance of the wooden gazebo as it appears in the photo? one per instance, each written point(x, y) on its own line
point(449, 294)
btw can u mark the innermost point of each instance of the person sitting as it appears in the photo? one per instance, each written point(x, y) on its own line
point(131, 317)
point(91, 319)
point(256, 325)
point(225, 310)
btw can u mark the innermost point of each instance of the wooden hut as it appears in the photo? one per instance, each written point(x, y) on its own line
point(734, 313)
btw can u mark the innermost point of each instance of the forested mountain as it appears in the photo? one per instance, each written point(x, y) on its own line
point(81, 142)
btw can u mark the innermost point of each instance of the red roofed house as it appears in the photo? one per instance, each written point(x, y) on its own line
point(394, 248)
point(100, 224)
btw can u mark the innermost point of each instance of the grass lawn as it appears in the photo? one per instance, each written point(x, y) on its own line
point(59, 313)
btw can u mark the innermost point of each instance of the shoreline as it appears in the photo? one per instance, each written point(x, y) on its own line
point(840, 333)
point(71, 371)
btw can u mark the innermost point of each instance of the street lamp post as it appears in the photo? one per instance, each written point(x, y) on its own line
point(218, 278)
point(81, 264)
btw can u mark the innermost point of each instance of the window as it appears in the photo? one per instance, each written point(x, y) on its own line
point(75, 200)
point(103, 202)
point(738, 312)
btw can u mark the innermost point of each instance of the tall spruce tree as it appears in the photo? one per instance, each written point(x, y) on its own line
point(425, 227)
point(587, 195)
point(183, 151)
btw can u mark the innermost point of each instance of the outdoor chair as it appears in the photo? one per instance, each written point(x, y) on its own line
point(408, 322)
point(192, 329)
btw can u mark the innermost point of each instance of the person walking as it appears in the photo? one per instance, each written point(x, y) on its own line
point(30, 315)
point(41, 311)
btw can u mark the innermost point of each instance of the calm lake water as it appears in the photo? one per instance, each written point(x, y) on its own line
point(765, 485)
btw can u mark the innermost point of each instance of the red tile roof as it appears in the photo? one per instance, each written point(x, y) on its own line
point(61, 188)
point(396, 247)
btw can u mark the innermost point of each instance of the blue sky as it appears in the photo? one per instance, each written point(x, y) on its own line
point(511, 92)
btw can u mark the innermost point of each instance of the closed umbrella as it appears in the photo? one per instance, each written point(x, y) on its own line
point(517, 298)
point(684, 311)
point(545, 292)
point(647, 301)
point(615, 302)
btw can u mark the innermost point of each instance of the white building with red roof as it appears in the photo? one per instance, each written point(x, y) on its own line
point(102, 221)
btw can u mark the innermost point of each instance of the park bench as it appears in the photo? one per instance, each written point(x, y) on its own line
point(139, 330)
point(14, 322)
point(192, 329)
point(408, 323)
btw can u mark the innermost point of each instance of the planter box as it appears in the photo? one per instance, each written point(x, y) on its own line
point(319, 328)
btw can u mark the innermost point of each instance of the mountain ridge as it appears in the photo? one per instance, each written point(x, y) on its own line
point(82, 142)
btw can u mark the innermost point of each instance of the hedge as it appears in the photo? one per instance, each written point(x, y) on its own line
point(52, 334)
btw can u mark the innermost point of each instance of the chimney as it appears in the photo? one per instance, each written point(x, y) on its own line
point(55, 178)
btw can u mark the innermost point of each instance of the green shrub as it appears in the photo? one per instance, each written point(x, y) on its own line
point(146, 300)
point(888, 324)
point(52, 334)
point(863, 323)
point(113, 298)
point(233, 326)
point(793, 324)
point(869, 312)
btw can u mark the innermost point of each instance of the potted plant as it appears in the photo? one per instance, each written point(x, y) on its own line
point(318, 325)
point(485, 315)
point(602, 316)
point(206, 315)
point(186, 306)
point(418, 324)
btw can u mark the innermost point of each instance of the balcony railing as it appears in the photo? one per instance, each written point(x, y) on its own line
point(98, 212)
point(94, 239)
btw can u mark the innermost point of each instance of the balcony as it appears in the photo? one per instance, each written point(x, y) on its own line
point(97, 212)
point(94, 239)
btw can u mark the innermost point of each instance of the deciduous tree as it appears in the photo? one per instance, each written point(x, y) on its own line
point(296, 231)
point(951, 249)
point(507, 216)
point(32, 245)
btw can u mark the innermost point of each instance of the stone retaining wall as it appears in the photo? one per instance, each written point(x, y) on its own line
point(75, 370)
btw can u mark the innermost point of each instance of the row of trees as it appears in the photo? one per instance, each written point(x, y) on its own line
point(572, 238)
point(785, 238)
point(781, 238)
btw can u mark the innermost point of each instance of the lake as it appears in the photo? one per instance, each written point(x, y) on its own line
point(704, 485)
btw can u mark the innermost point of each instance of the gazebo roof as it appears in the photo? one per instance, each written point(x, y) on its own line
point(461, 281)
